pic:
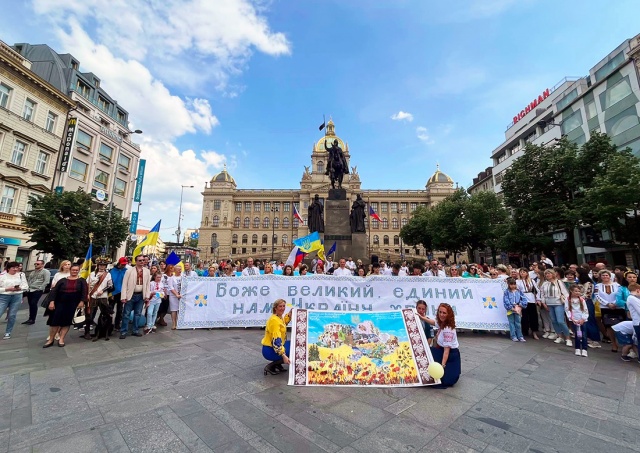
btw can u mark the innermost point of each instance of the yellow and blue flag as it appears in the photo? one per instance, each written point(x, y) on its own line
point(150, 239)
point(309, 243)
point(85, 270)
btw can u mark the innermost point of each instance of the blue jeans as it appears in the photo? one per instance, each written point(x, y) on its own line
point(581, 343)
point(557, 319)
point(515, 326)
point(12, 301)
point(135, 303)
point(152, 312)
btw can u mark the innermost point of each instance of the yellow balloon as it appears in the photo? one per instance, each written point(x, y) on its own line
point(435, 370)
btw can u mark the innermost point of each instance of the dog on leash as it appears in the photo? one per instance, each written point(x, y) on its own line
point(104, 328)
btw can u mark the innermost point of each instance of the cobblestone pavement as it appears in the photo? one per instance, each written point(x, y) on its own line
point(200, 391)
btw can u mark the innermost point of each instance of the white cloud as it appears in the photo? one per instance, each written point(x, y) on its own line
point(423, 135)
point(402, 116)
point(206, 40)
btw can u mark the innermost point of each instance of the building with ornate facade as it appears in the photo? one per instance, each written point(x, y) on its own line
point(32, 123)
point(238, 223)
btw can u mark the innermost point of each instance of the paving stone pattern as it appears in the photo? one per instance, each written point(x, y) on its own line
point(203, 391)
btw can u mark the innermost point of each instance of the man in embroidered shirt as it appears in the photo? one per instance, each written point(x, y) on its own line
point(250, 269)
point(135, 293)
point(342, 270)
point(188, 272)
point(38, 280)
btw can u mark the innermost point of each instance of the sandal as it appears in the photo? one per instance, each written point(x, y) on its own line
point(47, 345)
point(61, 345)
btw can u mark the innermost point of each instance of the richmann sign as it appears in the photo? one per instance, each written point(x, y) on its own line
point(545, 94)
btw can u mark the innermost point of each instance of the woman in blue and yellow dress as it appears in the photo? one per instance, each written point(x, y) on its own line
point(275, 346)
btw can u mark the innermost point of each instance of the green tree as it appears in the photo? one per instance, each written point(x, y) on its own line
point(113, 227)
point(418, 230)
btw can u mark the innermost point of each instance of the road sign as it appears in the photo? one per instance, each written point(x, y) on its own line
point(195, 235)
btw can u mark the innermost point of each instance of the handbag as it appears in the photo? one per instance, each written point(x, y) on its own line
point(79, 317)
point(613, 316)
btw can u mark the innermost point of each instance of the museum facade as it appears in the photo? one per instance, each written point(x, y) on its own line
point(238, 223)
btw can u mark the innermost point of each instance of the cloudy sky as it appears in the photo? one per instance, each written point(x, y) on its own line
point(409, 83)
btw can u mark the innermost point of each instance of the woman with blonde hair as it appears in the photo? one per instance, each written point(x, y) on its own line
point(63, 272)
point(275, 346)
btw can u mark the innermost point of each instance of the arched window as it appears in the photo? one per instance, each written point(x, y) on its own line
point(404, 222)
point(285, 222)
point(265, 222)
point(246, 222)
point(375, 224)
point(245, 238)
point(234, 238)
point(385, 223)
point(214, 238)
point(396, 240)
point(206, 221)
point(275, 239)
point(385, 240)
point(265, 239)
point(285, 239)
point(256, 222)
point(216, 221)
point(236, 222)
point(254, 239)
point(296, 222)
point(376, 239)
point(304, 220)
point(276, 222)
point(394, 223)
point(321, 167)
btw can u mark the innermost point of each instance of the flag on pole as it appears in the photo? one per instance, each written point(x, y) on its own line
point(309, 243)
point(172, 259)
point(333, 248)
point(324, 123)
point(295, 257)
point(373, 214)
point(296, 214)
point(150, 239)
point(85, 270)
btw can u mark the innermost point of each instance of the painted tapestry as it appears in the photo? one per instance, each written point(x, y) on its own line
point(370, 349)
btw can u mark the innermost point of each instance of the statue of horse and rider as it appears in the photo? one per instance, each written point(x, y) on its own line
point(337, 165)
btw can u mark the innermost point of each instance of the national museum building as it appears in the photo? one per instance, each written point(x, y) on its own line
point(238, 223)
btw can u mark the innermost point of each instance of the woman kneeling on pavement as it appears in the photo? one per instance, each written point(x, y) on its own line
point(275, 346)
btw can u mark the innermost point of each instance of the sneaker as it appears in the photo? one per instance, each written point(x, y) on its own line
point(585, 353)
point(6, 336)
point(578, 352)
point(122, 336)
point(625, 358)
point(552, 336)
point(546, 335)
point(595, 344)
point(514, 339)
point(632, 354)
point(521, 339)
point(569, 343)
point(136, 334)
point(153, 329)
point(558, 340)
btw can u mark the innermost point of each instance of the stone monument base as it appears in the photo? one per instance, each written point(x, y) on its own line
point(337, 228)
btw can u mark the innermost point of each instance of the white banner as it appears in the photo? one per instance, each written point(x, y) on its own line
point(246, 301)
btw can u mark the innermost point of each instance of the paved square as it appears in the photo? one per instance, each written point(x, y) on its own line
point(202, 391)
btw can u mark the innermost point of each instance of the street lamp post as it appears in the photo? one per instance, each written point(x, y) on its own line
point(273, 232)
point(179, 231)
point(399, 212)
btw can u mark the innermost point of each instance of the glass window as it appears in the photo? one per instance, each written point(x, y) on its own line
point(234, 238)
point(5, 92)
point(403, 207)
point(256, 222)
point(103, 104)
point(120, 187)
point(304, 220)
point(267, 206)
point(374, 205)
point(52, 119)
point(286, 206)
point(8, 197)
point(245, 223)
point(247, 206)
point(502, 157)
point(616, 93)
point(122, 118)
point(385, 240)
point(623, 121)
point(41, 163)
point(276, 206)
point(254, 239)
point(385, 223)
point(394, 207)
point(394, 223)
point(285, 222)
point(83, 89)
point(375, 224)
point(265, 222)
point(245, 239)
point(414, 206)
point(236, 222)
point(274, 239)
point(565, 101)
point(296, 222)
point(376, 239)
point(265, 238)
point(285, 240)
point(216, 205)
point(18, 152)
point(28, 109)
point(609, 66)
point(256, 206)
point(572, 122)
point(396, 240)
point(276, 222)
point(404, 222)
point(591, 110)
point(78, 170)
point(385, 207)
point(320, 167)
point(238, 206)
point(83, 140)
point(101, 179)
point(106, 152)
point(124, 161)
point(215, 221)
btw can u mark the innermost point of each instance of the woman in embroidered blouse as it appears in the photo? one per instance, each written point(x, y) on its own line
point(530, 313)
point(174, 285)
point(275, 346)
point(446, 350)
point(553, 294)
point(605, 295)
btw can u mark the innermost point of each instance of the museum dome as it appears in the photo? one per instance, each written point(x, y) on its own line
point(223, 176)
point(330, 136)
point(439, 177)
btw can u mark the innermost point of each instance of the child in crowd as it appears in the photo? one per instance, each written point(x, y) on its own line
point(625, 336)
point(578, 313)
point(156, 291)
point(421, 308)
point(514, 302)
point(633, 305)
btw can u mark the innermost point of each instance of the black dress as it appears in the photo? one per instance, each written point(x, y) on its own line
point(66, 296)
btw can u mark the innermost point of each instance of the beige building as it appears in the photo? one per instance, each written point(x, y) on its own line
point(238, 223)
point(32, 122)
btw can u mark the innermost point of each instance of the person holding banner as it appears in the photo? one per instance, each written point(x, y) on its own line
point(446, 350)
point(275, 346)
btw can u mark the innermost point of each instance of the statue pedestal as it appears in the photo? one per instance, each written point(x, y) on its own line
point(338, 229)
point(359, 247)
point(338, 194)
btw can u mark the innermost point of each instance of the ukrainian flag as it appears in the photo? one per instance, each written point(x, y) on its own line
point(308, 244)
point(85, 270)
point(150, 239)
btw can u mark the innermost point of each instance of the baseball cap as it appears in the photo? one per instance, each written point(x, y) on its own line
point(123, 260)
